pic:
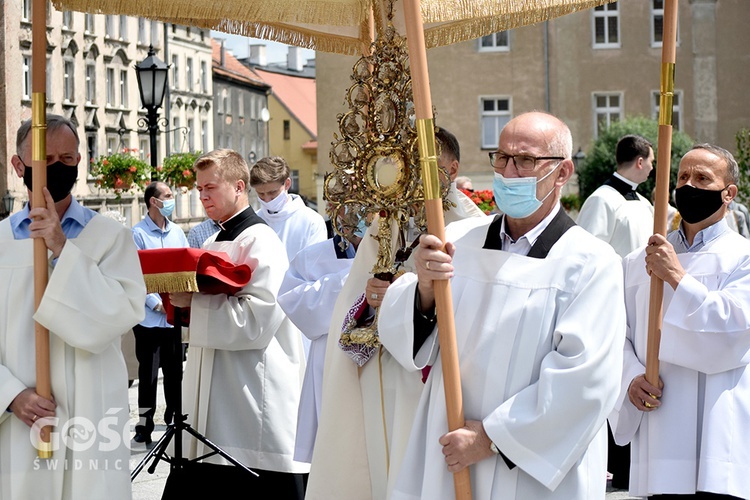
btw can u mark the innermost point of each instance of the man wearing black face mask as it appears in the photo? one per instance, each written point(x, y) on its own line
point(687, 434)
point(95, 293)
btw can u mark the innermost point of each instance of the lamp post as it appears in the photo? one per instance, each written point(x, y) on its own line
point(152, 84)
point(8, 202)
point(577, 159)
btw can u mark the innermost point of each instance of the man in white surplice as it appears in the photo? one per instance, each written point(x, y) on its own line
point(308, 295)
point(689, 435)
point(94, 294)
point(245, 364)
point(538, 357)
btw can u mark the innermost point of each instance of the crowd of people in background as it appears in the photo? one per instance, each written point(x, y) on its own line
point(551, 326)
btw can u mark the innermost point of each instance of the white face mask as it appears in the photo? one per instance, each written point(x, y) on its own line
point(277, 204)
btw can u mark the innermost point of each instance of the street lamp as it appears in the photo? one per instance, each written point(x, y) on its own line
point(152, 84)
point(8, 202)
point(578, 157)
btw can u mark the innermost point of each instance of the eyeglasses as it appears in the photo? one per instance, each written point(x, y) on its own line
point(499, 160)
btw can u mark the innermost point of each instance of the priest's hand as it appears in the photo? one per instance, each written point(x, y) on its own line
point(375, 291)
point(181, 299)
point(662, 261)
point(466, 446)
point(45, 223)
point(432, 263)
point(29, 407)
point(643, 394)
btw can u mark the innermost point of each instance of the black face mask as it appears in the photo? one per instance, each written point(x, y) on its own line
point(696, 204)
point(60, 179)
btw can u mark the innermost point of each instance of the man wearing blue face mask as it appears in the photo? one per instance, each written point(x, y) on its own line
point(688, 434)
point(537, 357)
point(154, 337)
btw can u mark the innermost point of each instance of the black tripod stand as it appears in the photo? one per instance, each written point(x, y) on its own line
point(178, 464)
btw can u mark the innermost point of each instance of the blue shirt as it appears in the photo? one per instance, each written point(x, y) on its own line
point(679, 240)
point(148, 235)
point(74, 220)
point(201, 232)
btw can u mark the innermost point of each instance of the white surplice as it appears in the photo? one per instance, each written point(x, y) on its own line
point(245, 364)
point(367, 412)
point(297, 225)
point(697, 439)
point(624, 224)
point(307, 295)
point(538, 361)
point(94, 293)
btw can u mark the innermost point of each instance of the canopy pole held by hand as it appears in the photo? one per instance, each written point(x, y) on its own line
point(661, 200)
point(39, 181)
point(436, 226)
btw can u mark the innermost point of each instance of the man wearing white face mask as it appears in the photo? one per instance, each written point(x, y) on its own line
point(154, 342)
point(296, 224)
point(538, 362)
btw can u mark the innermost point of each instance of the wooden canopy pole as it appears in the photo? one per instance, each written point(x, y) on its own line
point(435, 225)
point(39, 181)
point(663, 165)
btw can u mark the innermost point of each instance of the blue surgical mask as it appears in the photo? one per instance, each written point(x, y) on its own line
point(167, 208)
point(516, 196)
point(277, 204)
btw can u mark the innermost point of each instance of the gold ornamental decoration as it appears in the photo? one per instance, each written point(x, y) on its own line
point(376, 156)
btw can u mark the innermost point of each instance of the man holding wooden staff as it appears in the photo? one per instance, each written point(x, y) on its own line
point(95, 293)
point(537, 353)
point(689, 434)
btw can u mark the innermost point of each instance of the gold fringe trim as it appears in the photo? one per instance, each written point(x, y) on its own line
point(184, 281)
point(319, 24)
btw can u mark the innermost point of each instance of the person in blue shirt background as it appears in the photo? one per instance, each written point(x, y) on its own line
point(154, 336)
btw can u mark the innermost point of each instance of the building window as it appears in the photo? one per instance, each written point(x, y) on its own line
point(495, 42)
point(109, 26)
point(69, 90)
point(67, 20)
point(294, 175)
point(26, 10)
point(606, 26)
point(657, 24)
point(155, 33)
point(204, 77)
point(50, 79)
point(141, 30)
point(176, 143)
point(287, 130)
point(26, 78)
point(90, 83)
point(204, 135)
point(241, 105)
point(228, 101)
point(110, 87)
point(191, 134)
point(189, 73)
point(495, 112)
point(143, 149)
point(123, 88)
point(175, 72)
point(676, 108)
point(91, 151)
point(607, 110)
point(89, 23)
point(111, 144)
point(124, 28)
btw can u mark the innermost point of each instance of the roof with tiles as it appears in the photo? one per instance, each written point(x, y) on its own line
point(232, 68)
